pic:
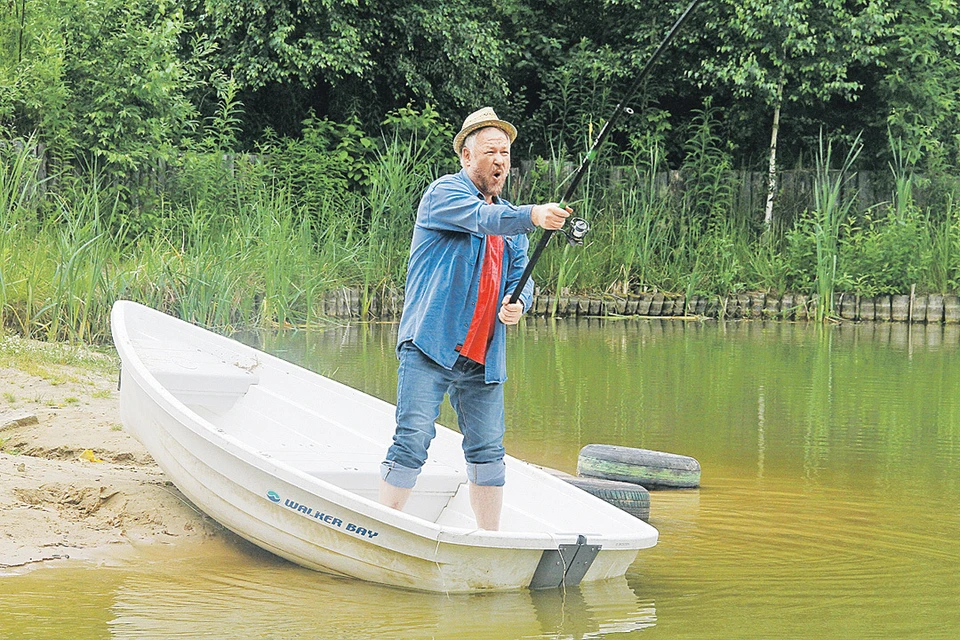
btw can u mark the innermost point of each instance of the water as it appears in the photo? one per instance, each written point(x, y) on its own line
point(828, 506)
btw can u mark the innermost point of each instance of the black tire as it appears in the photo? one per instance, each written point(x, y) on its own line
point(649, 469)
point(631, 498)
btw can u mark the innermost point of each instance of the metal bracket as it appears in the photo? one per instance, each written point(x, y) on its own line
point(566, 565)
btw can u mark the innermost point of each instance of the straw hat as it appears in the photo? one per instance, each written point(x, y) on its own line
point(485, 117)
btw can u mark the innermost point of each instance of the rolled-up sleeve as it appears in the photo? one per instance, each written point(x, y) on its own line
point(453, 205)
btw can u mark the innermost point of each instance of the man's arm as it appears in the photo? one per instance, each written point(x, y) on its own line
point(448, 205)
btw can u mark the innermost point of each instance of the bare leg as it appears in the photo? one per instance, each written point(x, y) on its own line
point(487, 502)
point(393, 497)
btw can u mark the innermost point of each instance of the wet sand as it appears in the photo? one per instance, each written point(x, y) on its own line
point(73, 483)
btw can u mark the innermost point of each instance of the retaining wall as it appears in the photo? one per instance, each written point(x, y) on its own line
point(932, 308)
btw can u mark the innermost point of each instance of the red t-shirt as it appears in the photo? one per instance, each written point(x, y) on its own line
point(488, 303)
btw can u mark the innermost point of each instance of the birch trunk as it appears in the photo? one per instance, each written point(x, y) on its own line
point(772, 170)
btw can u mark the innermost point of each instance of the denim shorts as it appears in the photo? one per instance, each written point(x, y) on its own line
point(421, 386)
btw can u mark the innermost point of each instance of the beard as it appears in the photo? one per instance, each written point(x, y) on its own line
point(489, 184)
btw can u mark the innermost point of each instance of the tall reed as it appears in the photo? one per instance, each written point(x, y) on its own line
point(245, 241)
point(20, 187)
point(830, 211)
point(643, 223)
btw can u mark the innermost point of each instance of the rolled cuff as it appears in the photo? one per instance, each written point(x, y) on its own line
point(398, 475)
point(487, 474)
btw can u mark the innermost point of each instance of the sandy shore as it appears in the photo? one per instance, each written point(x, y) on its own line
point(73, 483)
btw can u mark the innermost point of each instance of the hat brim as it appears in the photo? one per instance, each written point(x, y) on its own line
point(503, 125)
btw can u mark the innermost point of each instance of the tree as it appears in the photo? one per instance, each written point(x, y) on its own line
point(792, 51)
point(364, 56)
point(108, 79)
point(921, 85)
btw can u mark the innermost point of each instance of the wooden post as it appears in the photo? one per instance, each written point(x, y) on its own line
point(656, 304)
point(913, 291)
point(951, 309)
point(900, 308)
point(848, 306)
point(643, 305)
point(771, 307)
point(934, 308)
point(883, 308)
point(787, 306)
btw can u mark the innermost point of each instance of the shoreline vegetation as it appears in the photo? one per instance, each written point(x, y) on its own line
point(350, 303)
point(238, 242)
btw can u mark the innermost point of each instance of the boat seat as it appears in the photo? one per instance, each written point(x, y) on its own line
point(360, 473)
point(198, 378)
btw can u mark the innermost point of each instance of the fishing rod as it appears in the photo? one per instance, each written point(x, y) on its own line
point(578, 226)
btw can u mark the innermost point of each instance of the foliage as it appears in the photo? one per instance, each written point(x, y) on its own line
point(884, 255)
point(142, 156)
point(921, 86)
point(708, 188)
point(830, 211)
point(107, 80)
point(810, 46)
point(578, 94)
point(384, 54)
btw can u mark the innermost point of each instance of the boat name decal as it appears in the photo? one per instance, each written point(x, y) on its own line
point(327, 518)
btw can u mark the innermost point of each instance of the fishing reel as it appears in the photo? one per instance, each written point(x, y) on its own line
point(575, 231)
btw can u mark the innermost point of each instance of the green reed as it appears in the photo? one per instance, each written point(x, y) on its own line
point(830, 211)
point(239, 242)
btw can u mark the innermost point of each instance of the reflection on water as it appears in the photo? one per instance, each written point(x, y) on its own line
point(237, 591)
point(828, 506)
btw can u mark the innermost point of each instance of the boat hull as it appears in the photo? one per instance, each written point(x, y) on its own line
point(313, 523)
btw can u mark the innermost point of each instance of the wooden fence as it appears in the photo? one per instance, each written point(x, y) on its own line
point(794, 187)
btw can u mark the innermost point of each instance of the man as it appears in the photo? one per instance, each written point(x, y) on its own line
point(469, 248)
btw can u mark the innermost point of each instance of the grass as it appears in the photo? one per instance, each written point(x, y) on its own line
point(242, 246)
point(45, 359)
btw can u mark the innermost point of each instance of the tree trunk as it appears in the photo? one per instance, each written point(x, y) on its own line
point(772, 171)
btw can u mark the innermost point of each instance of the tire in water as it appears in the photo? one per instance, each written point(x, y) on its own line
point(649, 469)
point(631, 498)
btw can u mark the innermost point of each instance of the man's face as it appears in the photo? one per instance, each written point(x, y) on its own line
point(488, 162)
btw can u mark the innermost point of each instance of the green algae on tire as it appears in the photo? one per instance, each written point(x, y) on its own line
point(649, 469)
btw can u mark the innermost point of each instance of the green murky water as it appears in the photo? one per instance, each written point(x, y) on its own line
point(829, 505)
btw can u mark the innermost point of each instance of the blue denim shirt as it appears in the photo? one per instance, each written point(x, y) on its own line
point(443, 275)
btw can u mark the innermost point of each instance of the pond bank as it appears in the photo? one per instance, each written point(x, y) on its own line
point(73, 484)
point(933, 308)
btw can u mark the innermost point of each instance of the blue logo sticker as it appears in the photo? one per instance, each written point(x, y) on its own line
point(274, 496)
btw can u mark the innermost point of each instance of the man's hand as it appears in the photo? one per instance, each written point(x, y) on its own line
point(510, 313)
point(549, 216)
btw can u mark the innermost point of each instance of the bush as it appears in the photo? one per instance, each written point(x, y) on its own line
point(884, 254)
point(105, 80)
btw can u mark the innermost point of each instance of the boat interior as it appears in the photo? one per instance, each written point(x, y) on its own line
point(333, 433)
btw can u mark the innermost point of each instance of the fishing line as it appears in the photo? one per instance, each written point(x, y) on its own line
point(579, 227)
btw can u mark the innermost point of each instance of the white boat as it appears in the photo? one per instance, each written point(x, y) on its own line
point(289, 460)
